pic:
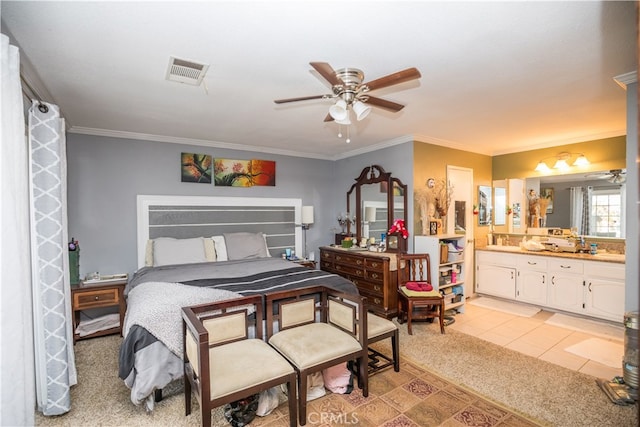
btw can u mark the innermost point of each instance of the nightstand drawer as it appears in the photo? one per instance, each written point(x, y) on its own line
point(97, 298)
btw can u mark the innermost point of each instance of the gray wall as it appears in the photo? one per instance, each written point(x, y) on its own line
point(106, 174)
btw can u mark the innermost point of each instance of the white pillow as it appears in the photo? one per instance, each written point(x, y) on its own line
point(220, 248)
point(209, 252)
point(169, 251)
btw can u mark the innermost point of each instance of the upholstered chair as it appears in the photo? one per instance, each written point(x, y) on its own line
point(222, 363)
point(415, 269)
point(378, 329)
point(316, 328)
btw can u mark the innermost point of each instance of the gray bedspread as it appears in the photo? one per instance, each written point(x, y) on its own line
point(146, 362)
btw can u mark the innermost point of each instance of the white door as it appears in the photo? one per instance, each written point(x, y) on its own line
point(462, 181)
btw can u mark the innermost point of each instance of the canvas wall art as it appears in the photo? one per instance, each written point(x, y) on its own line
point(196, 168)
point(244, 173)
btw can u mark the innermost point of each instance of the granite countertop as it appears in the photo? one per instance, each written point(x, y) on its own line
point(601, 256)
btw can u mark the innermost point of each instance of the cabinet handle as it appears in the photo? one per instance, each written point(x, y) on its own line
point(374, 276)
point(338, 257)
point(374, 264)
point(589, 286)
point(543, 279)
point(565, 266)
point(377, 300)
point(512, 275)
point(553, 280)
point(377, 288)
point(359, 262)
point(532, 263)
point(359, 273)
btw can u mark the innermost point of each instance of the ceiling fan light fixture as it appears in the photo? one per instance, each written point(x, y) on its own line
point(345, 121)
point(361, 110)
point(339, 110)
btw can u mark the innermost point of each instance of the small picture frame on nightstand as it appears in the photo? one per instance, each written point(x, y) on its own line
point(433, 228)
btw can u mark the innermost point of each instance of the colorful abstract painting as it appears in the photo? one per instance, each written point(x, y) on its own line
point(244, 173)
point(196, 168)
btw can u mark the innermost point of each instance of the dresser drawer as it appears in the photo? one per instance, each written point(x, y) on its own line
point(368, 286)
point(349, 270)
point(374, 264)
point(375, 302)
point(327, 256)
point(375, 276)
point(347, 259)
point(97, 298)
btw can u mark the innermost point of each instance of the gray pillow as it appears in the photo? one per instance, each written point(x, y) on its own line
point(245, 245)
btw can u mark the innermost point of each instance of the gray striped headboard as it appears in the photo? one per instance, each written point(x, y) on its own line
point(201, 216)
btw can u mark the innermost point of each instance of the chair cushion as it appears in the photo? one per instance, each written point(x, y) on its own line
point(420, 294)
point(309, 345)
point(376, 325)
point(241, 364)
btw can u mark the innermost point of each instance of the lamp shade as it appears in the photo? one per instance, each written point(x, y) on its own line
point(581, 161)
point(561, 164)
point(339, 110)
point(361, 110)
point(307, 215)
point(542, 167)
point(370, 214)
point(345, 121)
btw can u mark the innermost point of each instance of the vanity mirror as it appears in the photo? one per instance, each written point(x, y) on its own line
point(375, 200)
point(484, 205)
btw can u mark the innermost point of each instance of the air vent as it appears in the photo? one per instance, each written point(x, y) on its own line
point(183, 71)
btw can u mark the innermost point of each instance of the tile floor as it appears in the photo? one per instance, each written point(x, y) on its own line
point(532, 336)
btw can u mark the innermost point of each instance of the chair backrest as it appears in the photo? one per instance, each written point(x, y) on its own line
point(297, 307)
point(413, 268)
point(218, 323)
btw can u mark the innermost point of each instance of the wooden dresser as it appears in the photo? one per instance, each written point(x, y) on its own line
point(375, 275)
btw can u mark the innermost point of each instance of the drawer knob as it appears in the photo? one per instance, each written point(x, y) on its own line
point(377, 288)
point(359, 262)
point(97, 298)
point(374, 264)
point(359, 273)
point(377, 300)
point(374, 276)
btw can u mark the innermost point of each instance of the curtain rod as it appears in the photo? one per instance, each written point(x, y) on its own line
point(32, 94)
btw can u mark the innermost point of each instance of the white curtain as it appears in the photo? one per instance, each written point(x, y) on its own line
point(579, 209)
point(53, 334)
point(16, 334)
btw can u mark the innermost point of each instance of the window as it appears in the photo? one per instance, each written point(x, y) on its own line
point(607, 208)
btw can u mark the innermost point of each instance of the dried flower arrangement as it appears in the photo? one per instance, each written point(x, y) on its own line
point(433, 202)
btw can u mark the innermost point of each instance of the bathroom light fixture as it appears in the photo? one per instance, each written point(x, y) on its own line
point(561, 162)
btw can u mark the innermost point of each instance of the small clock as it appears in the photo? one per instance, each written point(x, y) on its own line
point(431, 183)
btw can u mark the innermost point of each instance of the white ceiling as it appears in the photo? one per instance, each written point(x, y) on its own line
point(497, 77)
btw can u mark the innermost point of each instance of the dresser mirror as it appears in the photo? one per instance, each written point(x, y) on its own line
point(374, 201)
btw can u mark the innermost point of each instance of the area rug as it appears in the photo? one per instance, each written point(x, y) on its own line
point(592, 327)
point(605, 352)
point(413, 397)
point(505, 306)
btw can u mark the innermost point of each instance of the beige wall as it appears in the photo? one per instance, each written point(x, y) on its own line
point(430, 161)
point(604, 154)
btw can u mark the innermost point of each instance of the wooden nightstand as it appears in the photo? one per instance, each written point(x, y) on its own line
point(306, 263)
point(98, 296)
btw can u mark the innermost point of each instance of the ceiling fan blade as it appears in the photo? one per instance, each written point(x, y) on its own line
point(327, 72)
point(328, 118)
point(302, 98)
point(394, 79)
point(383, 103)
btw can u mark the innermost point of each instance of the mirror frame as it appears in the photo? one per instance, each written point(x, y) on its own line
point(375, 174)
point(486, 219)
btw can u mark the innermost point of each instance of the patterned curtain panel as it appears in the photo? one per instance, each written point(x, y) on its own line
point(53, 339)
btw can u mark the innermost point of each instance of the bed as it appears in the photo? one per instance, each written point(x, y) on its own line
point(193, 250)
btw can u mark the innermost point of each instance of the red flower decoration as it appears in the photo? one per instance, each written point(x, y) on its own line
point(398, 227)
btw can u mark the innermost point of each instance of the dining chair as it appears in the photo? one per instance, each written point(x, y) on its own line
point(378, 329)
point(223, 363)
point(316, 328)
point(414, 270)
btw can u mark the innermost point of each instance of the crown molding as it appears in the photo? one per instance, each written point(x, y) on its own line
point(191, 141)
point(626, 79)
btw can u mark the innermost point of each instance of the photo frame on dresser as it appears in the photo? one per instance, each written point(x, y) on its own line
point(396, 243)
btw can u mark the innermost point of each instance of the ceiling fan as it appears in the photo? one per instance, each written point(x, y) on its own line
point(614, 176)
point(352, 94)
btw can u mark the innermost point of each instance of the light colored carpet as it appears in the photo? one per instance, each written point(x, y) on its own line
point(585, 325)
point(531, 387)
point(606, 352)
point(505, 306)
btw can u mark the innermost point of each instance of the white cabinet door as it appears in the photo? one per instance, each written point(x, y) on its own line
point(497, 281)
point(566, 292)
point(605, 290)
point(532, 287)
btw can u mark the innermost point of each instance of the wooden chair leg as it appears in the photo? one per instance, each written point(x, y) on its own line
point(363, 379)
point(187, 396)
point(205, 411)
point(302, 397)
point(409, 315)
point(293, 403)
point(441, 309)
point(395, 345)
